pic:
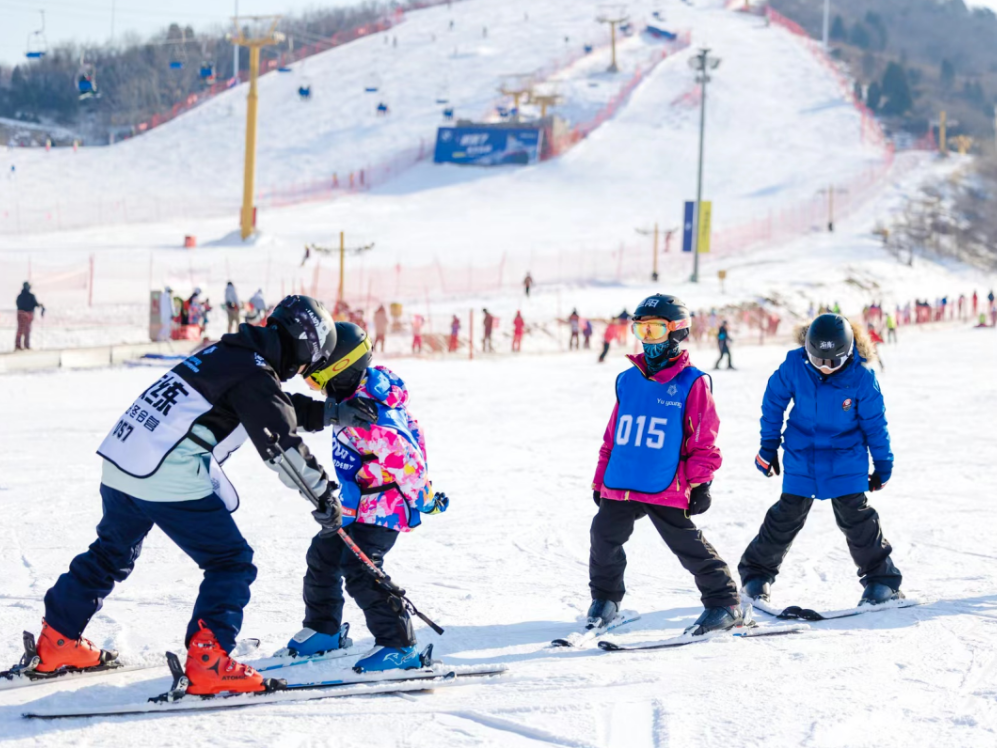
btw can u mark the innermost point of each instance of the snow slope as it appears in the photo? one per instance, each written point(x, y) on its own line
point(504, 571)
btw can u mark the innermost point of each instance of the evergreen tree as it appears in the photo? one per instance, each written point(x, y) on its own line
point(896, 91)
point(860, 36)
point(874, 96)
point(838, 31)
point(948, 73)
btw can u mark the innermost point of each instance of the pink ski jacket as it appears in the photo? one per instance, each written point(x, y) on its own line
point(699, 456)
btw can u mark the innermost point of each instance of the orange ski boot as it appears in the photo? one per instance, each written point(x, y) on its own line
point(210, 670)
point(60, 653)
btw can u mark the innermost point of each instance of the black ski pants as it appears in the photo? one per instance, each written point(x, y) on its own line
point(724, 351)
point(856, 519)
point(330, 562)
point(614, 524)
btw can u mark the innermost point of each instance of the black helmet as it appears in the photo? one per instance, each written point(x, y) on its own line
point(830, 342)
point(308, 334)
point(662, 306)
point(341, 376)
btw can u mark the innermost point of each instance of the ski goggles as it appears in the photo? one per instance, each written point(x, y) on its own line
point(658, 328)
point(828, 365)
point(318, 380)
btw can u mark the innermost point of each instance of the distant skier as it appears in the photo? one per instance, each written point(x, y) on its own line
point(658, 458)
point(162, 468)
point(380, 327)
point(891, 328)
point(587, 333)
point(417, 322)
point(723, 343)
point(574, 322)
point(385, 490)
point(257, 308)
point(518, 326)
point(454, 334)
point(838, 418)
point(527, 284)
point(611, 333)
point(232, 307)
point(26, 304)
point(489, 325)
point(877, 340)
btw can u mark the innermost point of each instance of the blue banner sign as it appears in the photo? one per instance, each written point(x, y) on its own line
point(488, 146)
point(688, 225)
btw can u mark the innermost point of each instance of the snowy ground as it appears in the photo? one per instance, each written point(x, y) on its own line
point(514, 441)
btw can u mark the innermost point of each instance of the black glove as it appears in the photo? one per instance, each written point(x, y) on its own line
point(876, 482)
point(329, 512)
point(358, 413)
point(597, 497)
point(700, 499)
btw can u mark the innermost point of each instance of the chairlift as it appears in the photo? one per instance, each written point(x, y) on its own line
point(179, 60)
point(207, 72)
point(87, 86)
point(448, 114)
point(285, 67)
point(382, 109)
point(37, 45)
point(305, 92)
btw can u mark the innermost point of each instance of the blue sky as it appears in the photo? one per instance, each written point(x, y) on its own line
point(90, 20)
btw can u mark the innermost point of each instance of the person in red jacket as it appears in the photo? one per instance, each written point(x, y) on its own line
point(518, 325)
point(658, 458)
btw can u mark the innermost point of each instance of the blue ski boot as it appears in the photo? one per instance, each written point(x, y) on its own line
point(394, 658)
point(601, 613)
point(877, 593)
point(716, 619)
point(309, 643)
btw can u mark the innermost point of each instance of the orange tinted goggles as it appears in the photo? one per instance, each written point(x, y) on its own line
point(657, 329)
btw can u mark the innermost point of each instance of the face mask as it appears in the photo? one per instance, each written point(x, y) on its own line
point(659, 355)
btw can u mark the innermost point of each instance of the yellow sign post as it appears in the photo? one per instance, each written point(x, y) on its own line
point(705, 220)
point(247, 221)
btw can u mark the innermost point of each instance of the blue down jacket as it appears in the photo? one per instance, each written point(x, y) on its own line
point(836, 422)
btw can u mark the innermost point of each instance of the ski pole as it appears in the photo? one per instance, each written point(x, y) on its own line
point(379, 576)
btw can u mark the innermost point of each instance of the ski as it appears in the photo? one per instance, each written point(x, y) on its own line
point(797, 613)
point(437, 676)
point(24, 674)
point(591, 633)
point(739, 632)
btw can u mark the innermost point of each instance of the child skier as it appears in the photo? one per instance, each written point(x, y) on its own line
point(838, 419)
point(385, 489)
point(658, 459)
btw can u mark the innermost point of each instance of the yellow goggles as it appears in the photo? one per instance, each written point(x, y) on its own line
point(320, 379)
point(657, 329)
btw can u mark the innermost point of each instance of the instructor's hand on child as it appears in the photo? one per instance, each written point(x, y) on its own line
point(357, 413)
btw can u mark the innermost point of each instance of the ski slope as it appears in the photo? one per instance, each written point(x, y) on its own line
point(505, 571)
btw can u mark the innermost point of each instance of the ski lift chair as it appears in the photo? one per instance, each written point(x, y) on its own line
point(86, 87)
point(207, 72)
point(305, 92)
point(448, 114)
point(382, 109)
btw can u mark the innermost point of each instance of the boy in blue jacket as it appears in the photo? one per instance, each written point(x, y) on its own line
point(838, 419)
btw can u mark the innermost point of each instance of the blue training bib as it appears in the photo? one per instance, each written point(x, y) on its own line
point(647, 444)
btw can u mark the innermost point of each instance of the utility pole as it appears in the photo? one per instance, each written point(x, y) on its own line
point(702, 63)
point(614, 16)
point(235, 49)
point(827, 22)
point(272, 36)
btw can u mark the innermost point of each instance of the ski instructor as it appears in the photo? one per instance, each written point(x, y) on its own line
point(162, 466)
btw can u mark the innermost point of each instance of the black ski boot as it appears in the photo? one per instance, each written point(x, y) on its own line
point(716, 619)
point(756, 588)
point(877, 593)
point(601, 613)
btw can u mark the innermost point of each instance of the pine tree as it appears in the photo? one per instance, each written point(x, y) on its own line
point(860, 36)
point(874, 96)
point(838, 31)
point(896, 91)
point(948, 73)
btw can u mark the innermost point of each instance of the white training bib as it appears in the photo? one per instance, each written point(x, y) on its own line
point(158, 420)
